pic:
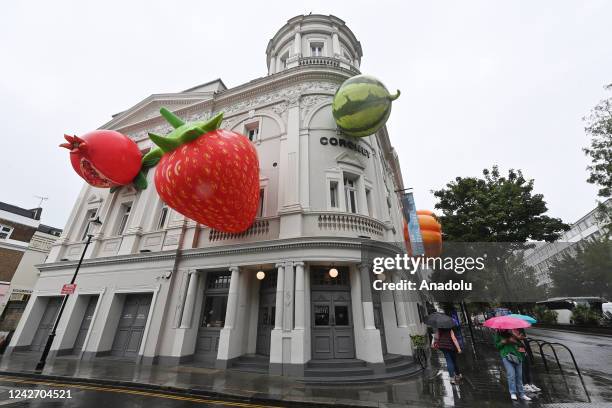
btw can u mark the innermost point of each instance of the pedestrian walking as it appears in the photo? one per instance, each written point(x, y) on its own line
point(508, 345)
point(446, 341)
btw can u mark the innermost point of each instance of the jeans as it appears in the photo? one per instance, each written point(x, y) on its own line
point(451, 362)
point(514, 373)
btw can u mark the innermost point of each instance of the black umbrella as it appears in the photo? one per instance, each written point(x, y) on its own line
point(439, 321)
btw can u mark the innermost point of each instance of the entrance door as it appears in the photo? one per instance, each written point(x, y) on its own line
point(85, 324)
point(213, 316)
point(131, 325)
point(267, 313)
point(332, 325)
point(46, 324)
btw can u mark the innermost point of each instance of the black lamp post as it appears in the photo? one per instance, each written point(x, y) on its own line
point(43, 357)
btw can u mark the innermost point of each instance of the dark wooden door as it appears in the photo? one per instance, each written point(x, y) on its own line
point(46, 324)
point(131, 325)
point(265, 323)
point(332, 325)
point(85, 324)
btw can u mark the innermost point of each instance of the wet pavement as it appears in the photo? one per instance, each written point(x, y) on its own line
point(484, 383)
point(592, 352)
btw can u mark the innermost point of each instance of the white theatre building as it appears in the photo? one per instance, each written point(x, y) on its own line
point(159, 288)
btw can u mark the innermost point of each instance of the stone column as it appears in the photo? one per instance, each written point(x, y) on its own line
point(297, 43)
point(190, 299)
point(280, 284)
point(272, 68)
point(232, 299)
point(368, 308)
point(399, 301)
point(336, 51)
point(299, 304)
point(288, 298)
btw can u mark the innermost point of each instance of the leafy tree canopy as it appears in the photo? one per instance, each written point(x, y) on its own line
point(495, 208)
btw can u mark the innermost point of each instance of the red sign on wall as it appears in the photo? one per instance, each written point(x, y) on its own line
point(68, 288)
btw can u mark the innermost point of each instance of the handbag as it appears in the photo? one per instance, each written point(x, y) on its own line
point(513, 359)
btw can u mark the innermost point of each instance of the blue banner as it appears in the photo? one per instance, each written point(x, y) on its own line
point(414, 230)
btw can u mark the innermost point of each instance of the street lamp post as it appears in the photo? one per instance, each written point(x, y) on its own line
point(43, 357)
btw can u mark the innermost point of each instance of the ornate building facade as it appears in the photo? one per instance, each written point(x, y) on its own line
point(159, 288)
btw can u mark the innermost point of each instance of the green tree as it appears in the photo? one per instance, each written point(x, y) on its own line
point(584, 271)
point(496, 209)
point(599, 128)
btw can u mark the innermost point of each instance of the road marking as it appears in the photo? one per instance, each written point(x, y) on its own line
point(134, 392)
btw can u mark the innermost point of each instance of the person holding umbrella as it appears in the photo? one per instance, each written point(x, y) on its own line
point(528, 384)
point(508, 345)
point(446, 341)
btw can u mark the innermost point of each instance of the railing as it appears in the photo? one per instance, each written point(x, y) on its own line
point(343, 224)
point(332, 62)
point(542, 344)
point(262, 230)
point(261, 227)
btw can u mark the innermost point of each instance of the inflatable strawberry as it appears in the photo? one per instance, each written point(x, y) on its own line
point(207, 174)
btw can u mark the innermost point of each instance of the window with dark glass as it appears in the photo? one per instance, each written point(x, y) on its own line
point(341, 317)
point(220, 280)
point(214, 311)
point(321, 314)
point(319, 276)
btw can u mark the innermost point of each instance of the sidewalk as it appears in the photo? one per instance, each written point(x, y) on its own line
point(483, 384)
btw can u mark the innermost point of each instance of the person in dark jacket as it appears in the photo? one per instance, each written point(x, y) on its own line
point(446, 341)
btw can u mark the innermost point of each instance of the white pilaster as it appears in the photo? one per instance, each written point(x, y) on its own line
point(300, 312)
point(280, 284)
point(190, 299)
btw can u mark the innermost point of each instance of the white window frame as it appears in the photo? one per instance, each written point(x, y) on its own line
point(120, 225)
point(334, 199)
point(87, 222)
point(369, 201)
point(261, 208)
point(8, 234)
point(282, 60)
point(163, 215)
point(316, 43)
point(348, 189)
point(253, 125)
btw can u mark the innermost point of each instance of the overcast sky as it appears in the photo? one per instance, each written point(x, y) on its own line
point(482, 82)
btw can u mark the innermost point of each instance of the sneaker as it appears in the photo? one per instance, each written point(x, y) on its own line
point(513, 397)
point(528, 388)
point(534, 388)
point(525, 398)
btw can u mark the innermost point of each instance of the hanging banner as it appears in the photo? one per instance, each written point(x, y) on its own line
point(414, 230)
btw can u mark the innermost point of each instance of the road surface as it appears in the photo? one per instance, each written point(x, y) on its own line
point(592, 352)
point(14, 393)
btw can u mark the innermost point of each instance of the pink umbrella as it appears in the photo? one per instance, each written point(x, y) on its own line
point(506, 322)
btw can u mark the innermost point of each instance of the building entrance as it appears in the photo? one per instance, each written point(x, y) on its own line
point(46, 324)
point(85, 324)
point(267, 312)
point(213, 316)
point(131, 325)
point(332, 322)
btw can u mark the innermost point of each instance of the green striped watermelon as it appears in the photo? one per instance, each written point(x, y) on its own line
point(362, 105)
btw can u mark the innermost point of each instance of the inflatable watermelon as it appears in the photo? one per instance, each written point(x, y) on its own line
point(362, 105)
